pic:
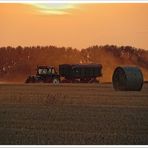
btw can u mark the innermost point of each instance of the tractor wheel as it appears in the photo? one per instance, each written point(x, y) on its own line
point(28, 80)
point(55, 81)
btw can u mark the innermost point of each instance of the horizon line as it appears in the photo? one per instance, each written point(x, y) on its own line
point(58, 46)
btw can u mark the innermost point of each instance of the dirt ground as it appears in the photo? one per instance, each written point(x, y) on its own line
point(72, 114)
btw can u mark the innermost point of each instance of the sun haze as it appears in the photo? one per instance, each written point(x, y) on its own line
point(75, 25)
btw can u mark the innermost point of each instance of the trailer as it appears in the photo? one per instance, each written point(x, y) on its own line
point(82, 73)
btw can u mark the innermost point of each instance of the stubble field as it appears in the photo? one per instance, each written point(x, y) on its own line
point(72, 114)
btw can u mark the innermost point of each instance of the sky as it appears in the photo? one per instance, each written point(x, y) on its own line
point(74, 25)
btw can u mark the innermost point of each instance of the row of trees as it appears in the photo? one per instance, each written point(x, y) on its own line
point(17, 63)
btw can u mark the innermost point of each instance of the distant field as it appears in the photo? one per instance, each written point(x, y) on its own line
point(72, 114)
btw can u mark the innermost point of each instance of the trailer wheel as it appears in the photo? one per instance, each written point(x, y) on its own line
point(55, 81)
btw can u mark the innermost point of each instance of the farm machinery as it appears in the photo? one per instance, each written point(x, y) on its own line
point(45, 74)
point(68, 73)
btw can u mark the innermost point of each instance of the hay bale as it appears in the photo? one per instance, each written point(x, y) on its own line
point(127, 79)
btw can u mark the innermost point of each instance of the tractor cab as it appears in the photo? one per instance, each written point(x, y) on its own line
point(46, 71)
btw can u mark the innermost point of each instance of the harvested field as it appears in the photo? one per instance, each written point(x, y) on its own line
point(72, 114)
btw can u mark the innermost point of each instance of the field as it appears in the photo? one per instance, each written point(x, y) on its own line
point(72, 114)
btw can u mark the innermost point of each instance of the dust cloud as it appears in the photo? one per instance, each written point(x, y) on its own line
point(22, 61)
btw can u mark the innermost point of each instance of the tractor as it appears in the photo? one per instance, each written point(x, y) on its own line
point(44, 74)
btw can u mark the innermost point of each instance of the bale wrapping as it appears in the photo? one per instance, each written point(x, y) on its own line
point(127, 79)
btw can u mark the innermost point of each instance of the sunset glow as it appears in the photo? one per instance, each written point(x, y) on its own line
point(54, 9)
point(74, 25)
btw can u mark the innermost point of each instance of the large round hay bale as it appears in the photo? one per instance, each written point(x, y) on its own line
point(127, 79)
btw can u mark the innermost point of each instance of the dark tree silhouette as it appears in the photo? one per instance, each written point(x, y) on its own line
point(21, 61)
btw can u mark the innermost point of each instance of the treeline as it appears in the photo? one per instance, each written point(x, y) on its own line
point(17, 63)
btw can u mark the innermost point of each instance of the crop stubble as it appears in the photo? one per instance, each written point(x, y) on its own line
point(72, 114)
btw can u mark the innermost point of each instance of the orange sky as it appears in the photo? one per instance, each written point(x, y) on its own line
point(79, 25)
